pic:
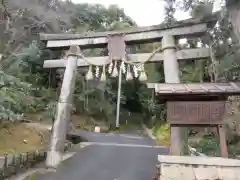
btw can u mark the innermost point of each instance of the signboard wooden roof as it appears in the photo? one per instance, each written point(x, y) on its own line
point(232, 88)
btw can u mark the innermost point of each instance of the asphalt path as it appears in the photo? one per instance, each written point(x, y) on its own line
point(110, 157)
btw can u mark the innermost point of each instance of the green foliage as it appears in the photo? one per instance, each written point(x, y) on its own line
point(170, 9)
point(210, 146)
point(162, 132)
point(192, 72)
point(207, 145)
point(234, 150)
point(23, 91)
point(12, 94)
point(30, 61)
point(96, 17)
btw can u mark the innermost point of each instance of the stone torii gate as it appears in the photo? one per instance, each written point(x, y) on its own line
point(169, 55)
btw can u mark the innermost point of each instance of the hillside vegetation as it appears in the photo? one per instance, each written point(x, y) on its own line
point(26, 88)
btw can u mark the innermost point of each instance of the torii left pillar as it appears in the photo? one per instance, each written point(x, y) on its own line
point(64, 109)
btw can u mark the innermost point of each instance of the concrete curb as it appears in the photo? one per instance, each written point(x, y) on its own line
point(31, 172)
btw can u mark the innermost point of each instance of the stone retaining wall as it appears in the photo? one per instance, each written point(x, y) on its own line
point(16, 163)
point(13, 164)
point(198, 168)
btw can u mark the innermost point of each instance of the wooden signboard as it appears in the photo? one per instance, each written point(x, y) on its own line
point(195, 112)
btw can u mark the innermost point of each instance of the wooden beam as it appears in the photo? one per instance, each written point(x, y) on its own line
point(131, 37)
point(199, 53)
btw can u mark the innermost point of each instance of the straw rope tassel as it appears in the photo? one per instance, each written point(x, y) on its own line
point(115, 71)
point(135, 71)
point(89, 75)
point(143, 76)
point(97, 72)
point(103, 77)
point(129, 74)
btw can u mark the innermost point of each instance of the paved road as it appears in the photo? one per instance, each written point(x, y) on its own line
point(111, 157)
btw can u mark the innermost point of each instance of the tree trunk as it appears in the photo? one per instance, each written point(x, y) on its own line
point(233, 7)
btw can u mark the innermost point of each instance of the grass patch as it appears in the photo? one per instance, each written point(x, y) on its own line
point(162, 133)
point(17, 138)
point(33, 176)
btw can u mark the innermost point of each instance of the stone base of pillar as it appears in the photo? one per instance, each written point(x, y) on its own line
point(54, 158)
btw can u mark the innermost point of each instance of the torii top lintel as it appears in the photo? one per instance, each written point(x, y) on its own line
point(189, 27)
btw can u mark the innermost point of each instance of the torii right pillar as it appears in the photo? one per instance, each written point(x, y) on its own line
point(171, 73)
